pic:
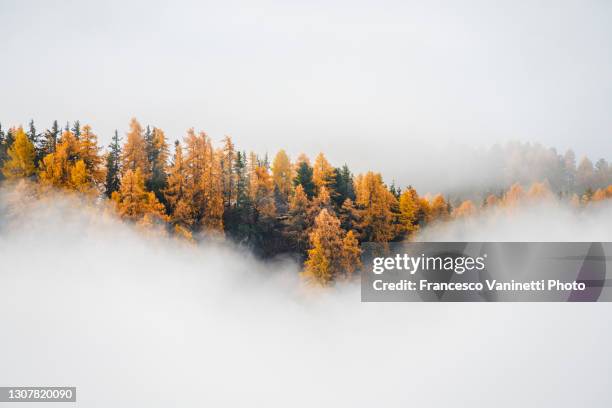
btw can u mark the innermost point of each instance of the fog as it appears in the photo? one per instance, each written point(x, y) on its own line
point(366, 82)
point(543, 222)
point(135, 319)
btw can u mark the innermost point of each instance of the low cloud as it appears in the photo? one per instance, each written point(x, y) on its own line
point(141, 320)
point(550, 221)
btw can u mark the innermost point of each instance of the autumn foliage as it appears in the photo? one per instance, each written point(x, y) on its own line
point(319, 213)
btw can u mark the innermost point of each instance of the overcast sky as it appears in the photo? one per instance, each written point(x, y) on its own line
point(363, 80)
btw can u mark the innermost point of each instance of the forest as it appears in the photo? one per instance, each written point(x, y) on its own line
point(309, 209)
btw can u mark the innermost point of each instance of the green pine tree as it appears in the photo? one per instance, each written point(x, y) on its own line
point(113, 159)
point(49, 139)
point(157, 153)
point(342, 186)
point(76, 129)
point(303, 178)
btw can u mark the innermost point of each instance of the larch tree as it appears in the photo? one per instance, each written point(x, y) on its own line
point(323, 174)
point(375, 203)
point(195, 163)
point(56, 167)
point(134, 154)
point(203, 173)
point(21, 157)
point(177, 193)
point(411, 215)
point(321, 202)
point(80, 178)
point(213, 185)
point(439, 208)
point(514, 195)
point(262, 194)
point(351, 256)
point(134, 202)
point(89, 152)
point(540, 192)
point(331, 251)
point(491, 201)
point(282, 174)
point(599, 195)
point(465, 210)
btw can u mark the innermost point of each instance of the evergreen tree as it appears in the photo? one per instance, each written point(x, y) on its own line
point(297, 222)
point(3, 149)
point(569, 166)
point(239, 219)
point(397, 192)
point(350, 217)
point(34, 137)
point(158, 160)
point(265, 235)
point(10, 137)
point(585, 173)
point(228, 160)
point(76, 129)
point(303, 177)
point(113, 170)
point(49, 140)
point(242, 181)
point(148, 138)
point(343, 186)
